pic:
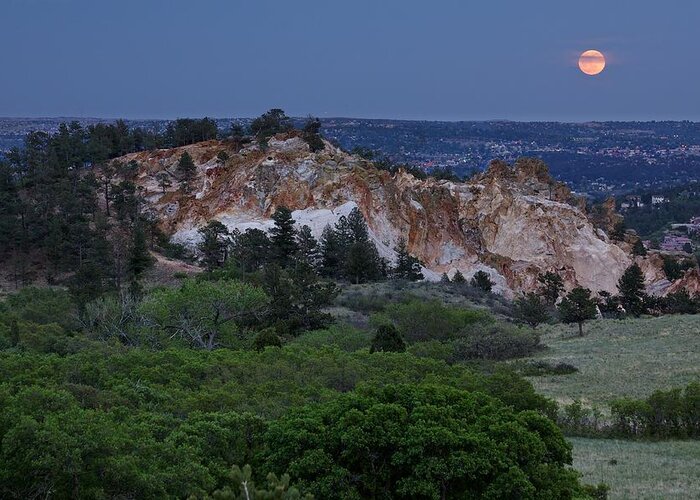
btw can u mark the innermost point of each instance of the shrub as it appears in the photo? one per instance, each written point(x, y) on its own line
point(266, 338)
point(433, 349)
point(540, 368)
point(360, 302)
point(680, 302)
point(596, 492)
point(421, 442)
point(497, 341)
point(41, 306)
point(419, 321)
point(387, 339)
point(345, 337)
point(203, 314)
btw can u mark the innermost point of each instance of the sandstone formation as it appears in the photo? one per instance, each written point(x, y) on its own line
point(511, 221)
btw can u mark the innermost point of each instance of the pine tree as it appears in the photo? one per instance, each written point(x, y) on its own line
point(458, 278)
point(252, 249)
point(283, 236)
point(214, 245)
point(631, 287)
point(139, 257)
point(407, 266)
point(332, 253)
point(531, 310)
point(308, 247)
point(577, 307)
point(482, 281)
point(638, 248)
point(551, 285)
point(187, 169)
point(348, 253)
point(444, 278)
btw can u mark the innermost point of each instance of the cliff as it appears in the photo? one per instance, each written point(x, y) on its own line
point(511, 221)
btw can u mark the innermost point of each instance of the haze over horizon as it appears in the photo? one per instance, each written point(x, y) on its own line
point(395, 60)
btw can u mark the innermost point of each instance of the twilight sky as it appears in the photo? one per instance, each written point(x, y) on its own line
point(429, 59)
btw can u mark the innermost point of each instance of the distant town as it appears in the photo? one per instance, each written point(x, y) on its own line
point(596, 159)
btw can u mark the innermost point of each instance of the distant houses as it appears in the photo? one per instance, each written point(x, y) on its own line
point(635, 201)
point(676, 243)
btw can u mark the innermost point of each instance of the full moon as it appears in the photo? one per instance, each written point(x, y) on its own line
point(591, 62)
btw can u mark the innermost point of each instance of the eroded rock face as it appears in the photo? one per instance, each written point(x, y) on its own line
point(511, 221)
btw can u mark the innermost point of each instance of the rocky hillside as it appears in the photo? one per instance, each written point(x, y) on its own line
point(511, 221)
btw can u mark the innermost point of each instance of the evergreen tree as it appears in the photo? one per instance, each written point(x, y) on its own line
point(214, 245)
point(186, 168)
point(362, 261)
point(631, 287)
point(310, 134)
point(531, 310)
point(638, 248)
point(672, 269)
point(482, 281)
point(387, 338)
point(252, 249)
point(283, 236)
point(332, 253)
point(551, 285)
point(407, 266)
point(297, 298)
point(86, 284)
point(270, 123)
point(444, 278)
point(308, 247)
point(348, 253)
point(577, 307)
point(139, 257)
point(458, 277)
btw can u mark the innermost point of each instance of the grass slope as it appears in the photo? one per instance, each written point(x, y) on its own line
point(615, 358)
point(640, 470)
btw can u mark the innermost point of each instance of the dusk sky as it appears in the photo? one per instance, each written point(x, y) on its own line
point(442, 60)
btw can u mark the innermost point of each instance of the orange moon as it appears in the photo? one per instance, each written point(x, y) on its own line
point(591, 62)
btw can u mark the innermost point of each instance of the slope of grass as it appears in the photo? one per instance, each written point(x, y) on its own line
point(640, 470)
point(616, 358)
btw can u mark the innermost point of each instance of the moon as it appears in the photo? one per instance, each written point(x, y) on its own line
point(591, 62)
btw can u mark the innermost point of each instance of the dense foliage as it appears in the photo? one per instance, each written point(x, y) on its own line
point(403, 441)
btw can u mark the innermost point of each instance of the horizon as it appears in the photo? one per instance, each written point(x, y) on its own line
point(302, 117)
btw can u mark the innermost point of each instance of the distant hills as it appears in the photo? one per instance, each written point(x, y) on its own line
point(594, 158)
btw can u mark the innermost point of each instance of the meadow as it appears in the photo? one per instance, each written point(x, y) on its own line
point(627, 358)
point(640, 470)
point(620, 358)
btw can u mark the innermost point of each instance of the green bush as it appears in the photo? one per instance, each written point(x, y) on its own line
point(203, 314)
point(541, 368)
point(496, 341)
point(41, 306)
point(412, 441)
point(433, 349)
point(420, 321)
point(387, 338)
point(266, 338)
point(665, 414)
point(343, 336)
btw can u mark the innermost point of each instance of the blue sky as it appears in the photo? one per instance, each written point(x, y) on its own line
point(439, 59)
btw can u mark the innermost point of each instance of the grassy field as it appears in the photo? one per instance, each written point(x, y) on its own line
point(640, 470)
point(616, 358)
